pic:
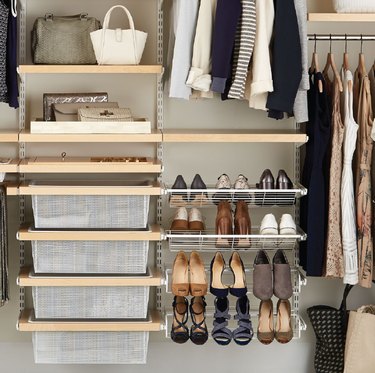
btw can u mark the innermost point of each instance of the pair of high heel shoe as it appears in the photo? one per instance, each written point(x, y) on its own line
point(181, 198)
point(187, 221)
point(226, 224)
point(189, 276)
point(238, 288)
point(267, 330)
point(198, 332)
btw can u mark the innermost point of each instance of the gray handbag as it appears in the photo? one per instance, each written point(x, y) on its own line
point(63, 40)
point(69, 112)
point(69, 98)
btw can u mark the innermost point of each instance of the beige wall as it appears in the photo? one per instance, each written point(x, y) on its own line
point(207, 159)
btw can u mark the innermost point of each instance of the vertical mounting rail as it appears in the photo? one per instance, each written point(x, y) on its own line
point(21, 126)
point(159, 95)
point(297, 175)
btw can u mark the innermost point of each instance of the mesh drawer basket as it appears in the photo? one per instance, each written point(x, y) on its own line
point(92, 302)
point(91, 211)
point(90, 347)
point(127, 257)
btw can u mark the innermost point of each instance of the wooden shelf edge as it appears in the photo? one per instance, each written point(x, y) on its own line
point(27, 278)
point(9, 136)
point(171, 136)
point(155, 234)
point(154, 136)
point(64, 190)
point(341, 17)
point(90, 69)
point(26, 323)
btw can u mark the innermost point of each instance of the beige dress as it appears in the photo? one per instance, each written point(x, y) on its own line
point(363, 180)
point(334, 266)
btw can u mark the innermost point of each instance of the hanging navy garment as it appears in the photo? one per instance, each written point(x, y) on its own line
point(286, 60)
point(4, 15)
point(11, 59)
point(314, 206)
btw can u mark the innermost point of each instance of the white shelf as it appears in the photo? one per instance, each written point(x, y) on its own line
point(28, 323)
point(209, 241)
point(253, 197)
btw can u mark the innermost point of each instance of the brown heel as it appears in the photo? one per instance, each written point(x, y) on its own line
point(242, 224)
point(198, 280)
point(224, 224)
point(180, 275)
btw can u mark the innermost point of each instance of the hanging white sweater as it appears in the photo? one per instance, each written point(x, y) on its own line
point(259, 82)
point(199, 76)
point(185, 13)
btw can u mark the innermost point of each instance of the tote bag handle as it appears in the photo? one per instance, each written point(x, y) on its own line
point(131, 24)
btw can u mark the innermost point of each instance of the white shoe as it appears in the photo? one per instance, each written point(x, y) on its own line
point(223, 182)
point(269, 225)
point(241, 182)
point(287, 225)
point(195, 215)
point(181, 214)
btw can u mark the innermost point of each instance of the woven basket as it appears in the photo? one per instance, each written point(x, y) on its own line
point(354, 6)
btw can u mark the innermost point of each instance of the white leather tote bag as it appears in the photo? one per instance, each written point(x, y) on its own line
point(118, 47)
point(354, 6)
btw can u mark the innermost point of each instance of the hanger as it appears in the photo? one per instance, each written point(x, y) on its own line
point(361, 60)
point(331, 64)
point(315, 65)
point(13, 7)
point(345, 63)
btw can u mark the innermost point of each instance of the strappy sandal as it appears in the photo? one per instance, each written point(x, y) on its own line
point(180, 332)
point(244, 333)
point(220, 333)
point(198, 331)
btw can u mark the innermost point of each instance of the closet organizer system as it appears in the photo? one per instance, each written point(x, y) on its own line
point(118, 339)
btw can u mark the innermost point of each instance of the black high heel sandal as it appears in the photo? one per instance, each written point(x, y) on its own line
point(180, 332)
point(198, 332)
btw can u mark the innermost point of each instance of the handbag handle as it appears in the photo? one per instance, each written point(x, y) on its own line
point(132, 28)
point(343, 306)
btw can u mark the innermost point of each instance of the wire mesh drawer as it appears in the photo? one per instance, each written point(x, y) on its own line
point(90, 211)
point(92, 302)
point(90, 347)
point(127, 257)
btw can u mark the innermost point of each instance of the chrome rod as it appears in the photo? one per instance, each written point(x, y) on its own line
point(340, 37)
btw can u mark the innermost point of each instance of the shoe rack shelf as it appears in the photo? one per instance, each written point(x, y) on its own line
point(28, 233)
point(209, 241)
point(298, 324)
point(254, 197)
point(90, 69)
point(28, 323)
point(341, 17)
point(298, 279)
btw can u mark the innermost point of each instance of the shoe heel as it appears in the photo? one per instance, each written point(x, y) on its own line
point(242, 229)
point(198, 280)
point(224, 227)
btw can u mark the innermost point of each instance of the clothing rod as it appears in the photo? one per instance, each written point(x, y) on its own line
point(335, 37)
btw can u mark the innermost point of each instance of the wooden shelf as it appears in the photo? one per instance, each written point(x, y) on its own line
point(233, 136)
point(8, 136)
point(90, 69)
point(84, 165)
point(26, 189)
point(12, 188)
point(341, 17)
point(28, 234)
point(27, 277)
point(10, 167)
point(28, 323)
point(154, 136)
